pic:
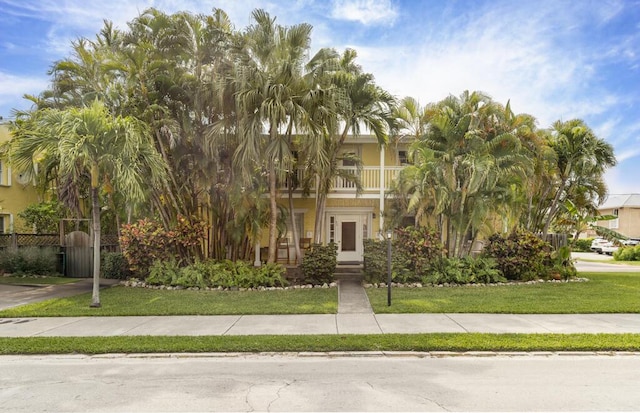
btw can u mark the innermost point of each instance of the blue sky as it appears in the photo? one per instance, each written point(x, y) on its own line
point(557, 59)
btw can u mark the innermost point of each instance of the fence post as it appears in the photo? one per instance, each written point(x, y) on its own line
point(14, 241)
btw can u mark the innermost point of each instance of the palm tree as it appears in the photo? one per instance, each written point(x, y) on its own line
point(582, 159)
point(268, 76)
point(357, 103)
point(464, 162)
point(90, 141)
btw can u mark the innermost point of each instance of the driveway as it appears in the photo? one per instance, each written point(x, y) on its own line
point(594, 262)
point(17, 295)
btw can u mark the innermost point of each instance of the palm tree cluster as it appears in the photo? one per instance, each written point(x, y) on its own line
point(232, 115)
point(478, 167)
point(184, 115)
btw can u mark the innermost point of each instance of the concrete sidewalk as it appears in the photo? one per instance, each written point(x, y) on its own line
point(354, 316)
point(319, 324)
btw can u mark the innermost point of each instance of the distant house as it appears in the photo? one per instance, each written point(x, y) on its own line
point(627, 208)
point(15, 193)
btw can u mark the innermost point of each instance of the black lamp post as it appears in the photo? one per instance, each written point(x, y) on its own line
point(389, 233)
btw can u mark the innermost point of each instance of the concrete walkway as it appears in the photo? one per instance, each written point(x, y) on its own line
point(352, 299)
point(318, 324)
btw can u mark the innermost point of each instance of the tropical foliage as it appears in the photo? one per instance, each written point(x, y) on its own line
point(184, 119)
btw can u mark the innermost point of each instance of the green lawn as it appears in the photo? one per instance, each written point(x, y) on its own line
point(123, 301)
point(604, 293)
point(457, 342)
point(37, 280)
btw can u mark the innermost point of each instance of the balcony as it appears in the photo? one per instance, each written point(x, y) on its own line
point(369, 177)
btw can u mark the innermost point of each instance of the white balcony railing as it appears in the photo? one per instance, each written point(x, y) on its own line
point(369, 178)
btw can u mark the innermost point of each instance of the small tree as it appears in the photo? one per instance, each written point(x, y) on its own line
point(44, 217)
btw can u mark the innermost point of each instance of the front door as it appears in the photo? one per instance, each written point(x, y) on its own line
point(349, 237)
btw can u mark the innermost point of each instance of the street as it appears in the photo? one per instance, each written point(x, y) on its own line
point(180, 383)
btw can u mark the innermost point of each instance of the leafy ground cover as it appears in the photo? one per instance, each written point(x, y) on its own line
point(122, 301)
point(603, 293)
point(44, 280)
point(456, 342)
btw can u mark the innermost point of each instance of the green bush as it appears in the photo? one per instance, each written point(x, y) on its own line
point(213, 274)
point(421, 246)
point(115, 266)
point(627, 253)
point(466, 270)
point(414, 250)
point(375, 263)
point(581, 245)
point(319, 263)
point(146, 241)
point(30, 261)
point(164, 272)
point(520, 256)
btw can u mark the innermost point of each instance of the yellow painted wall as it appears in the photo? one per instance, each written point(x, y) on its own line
point(14, 197)
point(370, 154)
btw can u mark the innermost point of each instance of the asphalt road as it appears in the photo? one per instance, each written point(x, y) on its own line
point(543, 382)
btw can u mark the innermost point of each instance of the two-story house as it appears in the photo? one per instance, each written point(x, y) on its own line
point(626, 207)
point(349, 218)
point(16, 193)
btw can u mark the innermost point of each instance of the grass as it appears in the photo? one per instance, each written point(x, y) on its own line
point(603, 293)
point(456, 342)
point(123, 301)
point(26, 280)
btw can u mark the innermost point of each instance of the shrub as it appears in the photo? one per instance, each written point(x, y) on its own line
point(164, 272)
point(581, 245)
point(319, 263)
point(562, 264)
point(414, 251)
point(446, 270)
point(115, 266)
point(44, 217)
point(375, 263)
point(143, 243)
point(375, 260)
point(520, 256)
point(466, 270)
point(271, 275)
point(210, 273)
point(421, 246)
point(146, 241)
point(627, 254)
point(30, 261)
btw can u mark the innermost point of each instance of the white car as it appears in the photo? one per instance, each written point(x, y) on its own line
point(596, 245)
point(631, 242)
point(608, 248)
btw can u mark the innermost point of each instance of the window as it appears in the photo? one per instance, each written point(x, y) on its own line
point(403, 157)
point(407, 221)
point(2, 224)
point(615, 212)
point(349, 159)
point(332, 229)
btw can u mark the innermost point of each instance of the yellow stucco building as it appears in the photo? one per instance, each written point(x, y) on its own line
point(349, 218)
point(15, 193)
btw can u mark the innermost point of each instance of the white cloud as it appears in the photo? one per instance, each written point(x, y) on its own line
point(13, 88)
point(517, 58)
point(365, 11)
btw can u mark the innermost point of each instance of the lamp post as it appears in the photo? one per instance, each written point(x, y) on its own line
point(389, 233)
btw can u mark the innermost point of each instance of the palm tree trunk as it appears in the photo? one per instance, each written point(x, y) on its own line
point(553, 208)
point(294, 225)
point(95, 212)
point(273, 209)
